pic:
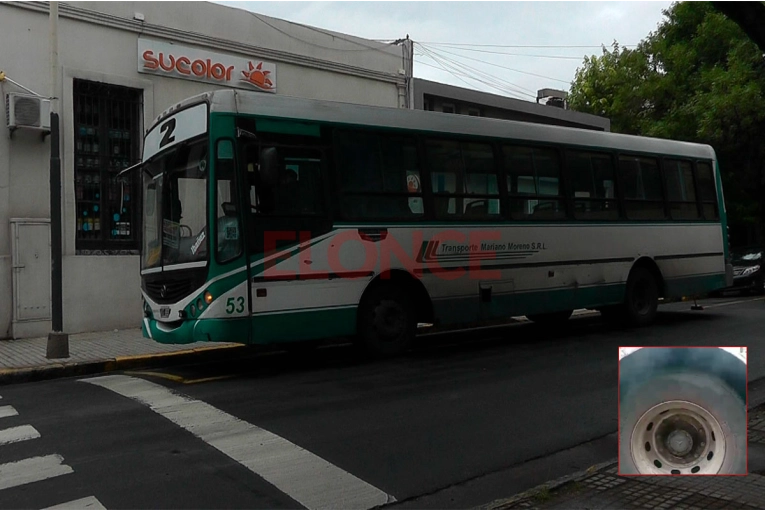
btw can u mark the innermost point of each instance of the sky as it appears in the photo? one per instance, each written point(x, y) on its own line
point(448, 36)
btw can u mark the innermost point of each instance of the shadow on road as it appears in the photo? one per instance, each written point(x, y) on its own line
point(589, 332)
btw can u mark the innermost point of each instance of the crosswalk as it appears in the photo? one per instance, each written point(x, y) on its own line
point(34, 469)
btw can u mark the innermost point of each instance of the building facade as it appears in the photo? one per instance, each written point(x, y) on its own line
point(120, 65)
point(440, 97)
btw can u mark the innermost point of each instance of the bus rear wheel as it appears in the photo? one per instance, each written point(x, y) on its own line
point(641, 302)
point(387, 323)
point(682, 422)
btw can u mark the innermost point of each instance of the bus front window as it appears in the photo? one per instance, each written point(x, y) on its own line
point(175, 209)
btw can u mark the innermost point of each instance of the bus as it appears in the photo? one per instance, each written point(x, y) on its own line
point(271, 219)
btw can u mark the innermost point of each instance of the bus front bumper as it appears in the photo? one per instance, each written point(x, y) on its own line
point(190, 331)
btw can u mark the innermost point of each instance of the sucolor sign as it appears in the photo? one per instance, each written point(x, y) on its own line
point(171, 60)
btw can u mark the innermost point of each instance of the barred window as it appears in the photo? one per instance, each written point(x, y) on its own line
point(106, 141)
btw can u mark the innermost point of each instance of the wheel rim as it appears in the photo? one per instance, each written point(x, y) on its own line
point(389, 320)
point(678, 437)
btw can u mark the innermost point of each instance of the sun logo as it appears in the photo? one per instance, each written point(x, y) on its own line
point(258, 77)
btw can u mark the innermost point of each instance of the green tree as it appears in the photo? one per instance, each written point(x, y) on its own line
point(698, 78)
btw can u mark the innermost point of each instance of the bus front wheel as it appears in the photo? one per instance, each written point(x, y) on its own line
point(387, 323)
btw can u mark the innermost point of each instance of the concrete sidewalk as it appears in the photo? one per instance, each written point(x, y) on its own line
point(104, 351)
point(601, 488)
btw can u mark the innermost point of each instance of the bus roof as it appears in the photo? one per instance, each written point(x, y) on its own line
point(299, 109)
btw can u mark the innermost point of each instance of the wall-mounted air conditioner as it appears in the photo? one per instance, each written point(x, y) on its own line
point(26, 111)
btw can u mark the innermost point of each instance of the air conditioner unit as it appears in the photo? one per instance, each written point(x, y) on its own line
point(25, 111)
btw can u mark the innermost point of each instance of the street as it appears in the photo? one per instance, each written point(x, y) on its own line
point(466, 418)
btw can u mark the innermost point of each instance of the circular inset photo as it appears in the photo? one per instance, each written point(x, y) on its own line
point(682, 410)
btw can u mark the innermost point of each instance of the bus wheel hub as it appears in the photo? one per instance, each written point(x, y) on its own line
point(678, 437)
point(679, 442)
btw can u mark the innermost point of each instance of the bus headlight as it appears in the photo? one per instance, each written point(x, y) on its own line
point(208, 298)
point(200, 304)
point(193, 310)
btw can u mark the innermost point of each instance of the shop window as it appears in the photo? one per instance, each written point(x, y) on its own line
point(681, 192)
point(533, 183)
point(106, 141)
point(591, 178)
point(448, 108)
point(643, 196)
point(464, 179)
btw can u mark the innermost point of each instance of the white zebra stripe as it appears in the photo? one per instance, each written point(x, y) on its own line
point(89, 503)
point(7, 411)
point(31, 470)
point(305, 477)
point(17, 434)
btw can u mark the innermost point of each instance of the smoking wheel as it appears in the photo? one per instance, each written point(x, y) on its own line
point(683, 419)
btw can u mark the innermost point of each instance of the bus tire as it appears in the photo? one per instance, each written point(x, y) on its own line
point(699, 409)
point(386, 323)
point(641, 300)
point(550, 319)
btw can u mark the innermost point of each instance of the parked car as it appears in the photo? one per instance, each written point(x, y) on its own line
point(748, 273)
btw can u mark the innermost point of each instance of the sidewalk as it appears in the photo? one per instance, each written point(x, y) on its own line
point(24, 360)
point(600, 488)
point(105, 351)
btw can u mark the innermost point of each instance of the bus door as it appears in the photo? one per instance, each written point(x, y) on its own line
point(290, 209)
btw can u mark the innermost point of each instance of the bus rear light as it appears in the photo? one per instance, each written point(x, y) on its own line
point(208, 298)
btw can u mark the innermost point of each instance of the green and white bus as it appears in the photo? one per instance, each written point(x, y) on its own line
point(270, 219)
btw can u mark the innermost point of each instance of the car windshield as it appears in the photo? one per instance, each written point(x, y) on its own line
point(175, 206)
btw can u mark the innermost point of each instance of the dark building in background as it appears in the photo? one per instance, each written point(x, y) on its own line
point(439, 97)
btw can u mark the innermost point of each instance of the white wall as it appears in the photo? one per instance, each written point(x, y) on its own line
point(103, 292)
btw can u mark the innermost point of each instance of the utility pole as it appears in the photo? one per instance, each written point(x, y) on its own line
point(407, 50)
point(58, 341)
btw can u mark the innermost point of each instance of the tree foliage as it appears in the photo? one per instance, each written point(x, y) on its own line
point(698, 78)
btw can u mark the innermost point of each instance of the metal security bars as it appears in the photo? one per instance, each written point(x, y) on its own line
point(107, 140)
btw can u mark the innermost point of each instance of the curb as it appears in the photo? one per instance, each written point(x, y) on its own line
point(548, 486)
point(143, 361)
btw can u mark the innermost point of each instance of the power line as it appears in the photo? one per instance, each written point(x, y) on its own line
point(365, 47)
point(455, 71)
point(535, 46)
point(441, 67)
point(564, 57)
point(487, 76)
point(502, 67)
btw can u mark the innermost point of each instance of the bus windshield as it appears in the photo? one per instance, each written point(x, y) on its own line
point(175, 206)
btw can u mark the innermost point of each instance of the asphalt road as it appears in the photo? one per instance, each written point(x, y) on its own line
point(464, 419)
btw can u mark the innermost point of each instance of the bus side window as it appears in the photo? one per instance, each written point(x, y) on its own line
point(643, 195)
point(681, 192)
point(533, 183)
point(464, 179)
point(228, 226)
point(705, 179)
point(378, 176)
point(591, 179)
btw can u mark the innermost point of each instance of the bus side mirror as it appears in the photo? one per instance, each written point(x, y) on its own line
point(269, 167)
